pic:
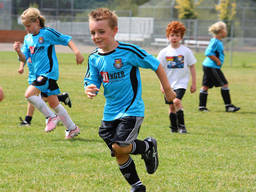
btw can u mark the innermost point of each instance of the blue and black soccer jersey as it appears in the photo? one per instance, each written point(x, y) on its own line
point(118, 71)
point(31, 74)
point(215, 48)
point(40, 48)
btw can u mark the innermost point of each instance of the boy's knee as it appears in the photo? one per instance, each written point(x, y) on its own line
point(177, 103)
point(119, 150)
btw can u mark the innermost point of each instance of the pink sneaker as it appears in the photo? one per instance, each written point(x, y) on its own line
point(72, 133)
point(51, 123)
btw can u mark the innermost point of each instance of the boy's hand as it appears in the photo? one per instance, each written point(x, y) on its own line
point(192, 89)
point(170, 95)
point(21, 70)
point(91, 91)
point(218, 62)
point(79, 58)
point(16, 46)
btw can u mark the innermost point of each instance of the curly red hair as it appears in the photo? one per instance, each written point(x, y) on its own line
point(175, 27)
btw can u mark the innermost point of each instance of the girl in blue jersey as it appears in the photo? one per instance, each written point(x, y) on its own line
point(64, 97)
point(212, 64)
point(115, 65)
point(39, 45)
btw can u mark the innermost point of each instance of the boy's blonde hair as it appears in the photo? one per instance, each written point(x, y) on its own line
point(31, 15)
point(104, 14)
point(217, 27)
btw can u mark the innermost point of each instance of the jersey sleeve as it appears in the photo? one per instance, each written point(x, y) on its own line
point(57, 38)
point(190, 58)
point(161, 58)
point(212, 47)
point(92, 75)
point(25, 49)
point(141, 58)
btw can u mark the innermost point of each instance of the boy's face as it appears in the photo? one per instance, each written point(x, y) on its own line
point(175, 39)
point(32, 27)
point(102, 34)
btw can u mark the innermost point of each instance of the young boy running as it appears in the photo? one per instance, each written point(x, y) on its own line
point(116, 65)
point(213, 76)
point(39, 45)
point(178, 62)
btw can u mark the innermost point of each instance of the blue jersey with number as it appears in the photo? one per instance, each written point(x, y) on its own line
point(41, 49)
point(118, 72)
point(215, 48)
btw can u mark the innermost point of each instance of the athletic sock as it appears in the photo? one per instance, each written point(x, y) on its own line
point(64, 117)
point(203, 98)
point(38, 102)
point(180, 118)
point(61, 98)
point(173, 120)
point(28, 119)
point(140, 147)
point(225, 95)
point(129, 172)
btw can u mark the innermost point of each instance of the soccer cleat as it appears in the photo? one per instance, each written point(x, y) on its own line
point(72, 133)
point(151, 156)
point(51, 123)
point(204, 109)
point(139, 188)
point(24, 122)
point(174, 129)
point(183, 131)
point(232, 108)
point(67, 100)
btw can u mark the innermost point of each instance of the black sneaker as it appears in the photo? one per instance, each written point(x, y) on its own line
point(204, 109)
point(67, 100)
point(139, 188)
point(232, 108)
point(174, 130)
point(24, 122)
point(183, 130)
point(151, 156)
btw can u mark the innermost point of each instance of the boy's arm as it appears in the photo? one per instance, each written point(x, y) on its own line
point(21, 68)
point(169, 93)
point(16, 47)
point(215, 59)
point(79, 56)
point(193, 75)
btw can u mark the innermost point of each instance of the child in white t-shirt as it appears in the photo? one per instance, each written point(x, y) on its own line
point(178, 62)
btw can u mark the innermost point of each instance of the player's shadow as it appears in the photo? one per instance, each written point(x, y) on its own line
point(79, 139)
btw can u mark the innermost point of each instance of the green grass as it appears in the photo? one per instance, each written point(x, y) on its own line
point(218, 154)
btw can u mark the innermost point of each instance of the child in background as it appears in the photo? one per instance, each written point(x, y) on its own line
point(64, 97)
point(116, 65)
point(39, 45)
point(212, 64)
point(178, 62)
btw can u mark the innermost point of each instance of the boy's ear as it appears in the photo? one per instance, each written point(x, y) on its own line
point(115, 30)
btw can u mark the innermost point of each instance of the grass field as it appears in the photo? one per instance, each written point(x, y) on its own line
point(218, 154)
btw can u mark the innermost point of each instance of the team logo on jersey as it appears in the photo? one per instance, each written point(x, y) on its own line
point(118, 63)
point(41, 40)
point(105, 77)
point(32, 49)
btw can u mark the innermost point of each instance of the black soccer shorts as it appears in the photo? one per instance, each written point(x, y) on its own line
point(179, 94)
point(122, 131)
point(213, 77)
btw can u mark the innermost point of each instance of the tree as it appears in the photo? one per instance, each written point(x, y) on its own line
point(227, 12)
point(186, 9)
